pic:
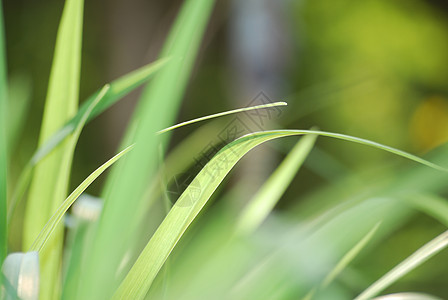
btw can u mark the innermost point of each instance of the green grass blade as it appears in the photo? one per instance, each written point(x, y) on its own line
point(43, 151)
point(129, 179)
point(3, 143)
point(118, 89)
point(275, 104)
point(50, 179)
point(432, 205)
point(46, 232)
point(271, 191)
point(190, 203)
point(407, 296)
point(349, 256)
point(74, 127)
point(416, 259)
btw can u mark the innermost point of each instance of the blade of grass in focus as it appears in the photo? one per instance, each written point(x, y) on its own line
point(142, 274)
point(46, 232)
point(50, 179)
point(264, 201)
point(118, 89)
point(129, 178)
point(416, 259)
point(26, 173)
point(152, 191)
point(225, 113)
point(3, 143)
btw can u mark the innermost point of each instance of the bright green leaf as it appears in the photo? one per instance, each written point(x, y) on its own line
point(3, 143)
point(416, 259)
point(50, 179)
point(129, 179)
point(139, 279)
point(349, 256)
point(264, 201)
point(44, 235)
point(229, 112)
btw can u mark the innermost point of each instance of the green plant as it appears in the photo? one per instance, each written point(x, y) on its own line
point(248, 254)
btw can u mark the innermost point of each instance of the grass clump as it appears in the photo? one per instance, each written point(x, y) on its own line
point(144, 246)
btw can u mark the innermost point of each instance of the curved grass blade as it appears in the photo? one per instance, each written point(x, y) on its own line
point(432, 205)
point(416, 259)
point(271, 191)
point(349, 256)
point(156, 110)
point(118, 89)
point(83, 115)
point(225, 113)
point(51, 177)
point(3, 143)
point(43, 151)
point(193, 199)
point(46, 232)
point(407, 296)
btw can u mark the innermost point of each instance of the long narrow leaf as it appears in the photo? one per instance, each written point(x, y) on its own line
point(432, 205)
point(118, 89)
point(190, 203)
point(43, 151)
point(44, 235)
point(266, 198)
point(416, 259)
point(50, 180)
point(225, 113)
point(408, 296)
point(130, 177)
point(349, 256)
point(3, 144)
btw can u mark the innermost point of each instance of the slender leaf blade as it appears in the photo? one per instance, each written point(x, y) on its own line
point(129, 178)
point(3, 143)
point(50, 179)
point(142, 274)
point(408, 296)
point(118, 89)
point(264, 201)
point(416, 259)
point(350, 255)
point(432, 205)
point(46, 232)
point(225, 113)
